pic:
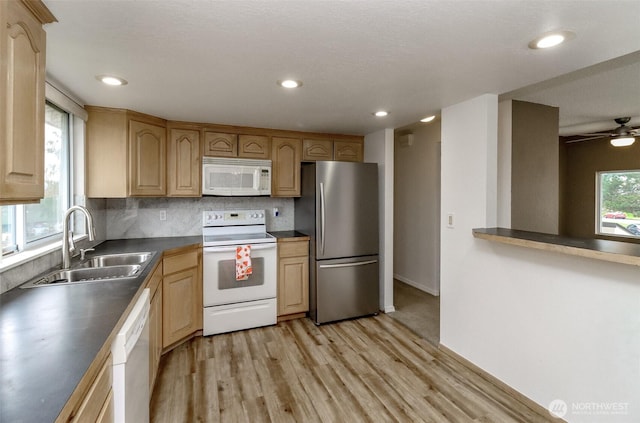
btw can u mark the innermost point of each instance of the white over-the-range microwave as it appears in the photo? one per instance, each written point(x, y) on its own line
point(236, 177)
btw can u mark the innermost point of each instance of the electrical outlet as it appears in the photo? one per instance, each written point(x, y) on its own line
point(276, 212)
point(163, 215)
point(450, 220)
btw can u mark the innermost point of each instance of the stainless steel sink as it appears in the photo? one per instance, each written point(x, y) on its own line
point(86, 275)
point(117, 259)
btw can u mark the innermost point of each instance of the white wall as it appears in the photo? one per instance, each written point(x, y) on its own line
point(551, 326)
point(504, 164)
point(416, 213)
point(378, 148)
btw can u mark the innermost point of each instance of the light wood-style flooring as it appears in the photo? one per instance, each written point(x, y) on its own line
point(370, 369)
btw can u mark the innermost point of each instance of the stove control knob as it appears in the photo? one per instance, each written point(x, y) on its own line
point(254, 215)
point(261, 215)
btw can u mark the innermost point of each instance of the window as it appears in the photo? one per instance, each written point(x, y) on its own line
point(28, 225)
point(619, 203)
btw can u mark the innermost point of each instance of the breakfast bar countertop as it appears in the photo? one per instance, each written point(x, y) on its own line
point(599, 249)
point(50, 335)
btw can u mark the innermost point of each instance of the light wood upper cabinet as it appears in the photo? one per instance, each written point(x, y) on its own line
point(147, 156)
point(220, 144)
point(125, 153)
point(254, 147)
point(183, 163)
point(286, 154)
point(347, 151)
point(181, 296)
point(313, 150)
point(22, 75)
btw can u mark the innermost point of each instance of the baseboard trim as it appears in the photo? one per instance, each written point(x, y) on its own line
point(416, 285)
point(389, 309)
point(531, 404)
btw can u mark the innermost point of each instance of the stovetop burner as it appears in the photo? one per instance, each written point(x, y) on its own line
point(235, 227)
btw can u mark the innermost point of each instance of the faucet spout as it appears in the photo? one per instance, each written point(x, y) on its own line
point(66, 253)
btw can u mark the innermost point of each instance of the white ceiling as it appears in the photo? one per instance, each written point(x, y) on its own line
point(218, 61)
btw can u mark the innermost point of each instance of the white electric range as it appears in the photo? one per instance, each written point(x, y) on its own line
point(231, 304)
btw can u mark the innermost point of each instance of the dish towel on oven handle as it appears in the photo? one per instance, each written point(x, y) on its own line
point(243, 262)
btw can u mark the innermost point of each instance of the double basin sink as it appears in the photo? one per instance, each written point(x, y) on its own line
point(98, 268)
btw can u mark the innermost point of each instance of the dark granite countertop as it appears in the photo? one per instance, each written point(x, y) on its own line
point(49, 336)
point(288, 234)
point(599, 249)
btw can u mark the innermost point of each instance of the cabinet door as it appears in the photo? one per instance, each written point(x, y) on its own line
point(347, 151)
point(97, 402)
point(179, 305)
point(147, 159)
point(286, 154)
point(155, 336)
point(313, 150)
point(22, 72)
point(183, 163)
point(293, 285)
point(220, 145)
point(254, 147)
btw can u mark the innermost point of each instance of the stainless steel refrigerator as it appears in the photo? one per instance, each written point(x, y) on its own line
point(338, 209)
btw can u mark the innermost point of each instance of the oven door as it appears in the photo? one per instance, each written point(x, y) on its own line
point(219, 275)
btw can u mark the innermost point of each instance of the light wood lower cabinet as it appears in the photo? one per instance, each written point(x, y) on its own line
point(155, 324)
point(181, 296)
point(97, 404)
point(293, 278)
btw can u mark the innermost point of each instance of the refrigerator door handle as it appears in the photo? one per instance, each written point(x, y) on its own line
point(322, 218)
point(359, 263)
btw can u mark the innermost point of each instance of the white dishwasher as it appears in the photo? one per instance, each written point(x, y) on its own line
point(130, 352)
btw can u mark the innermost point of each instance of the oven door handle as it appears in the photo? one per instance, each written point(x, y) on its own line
point(233, 249)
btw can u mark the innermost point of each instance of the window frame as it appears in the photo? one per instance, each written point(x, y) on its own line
point(599, 211)
point(21, 244)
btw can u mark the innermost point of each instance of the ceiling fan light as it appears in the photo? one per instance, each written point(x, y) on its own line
point(622, 141)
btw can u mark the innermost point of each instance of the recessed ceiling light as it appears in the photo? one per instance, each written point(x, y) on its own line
point(622, 141)
point(551, 39)
point(290, 83)
point(381, 113)
point(111, 80)
point(428, 119)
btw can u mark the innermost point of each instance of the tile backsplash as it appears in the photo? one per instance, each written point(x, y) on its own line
point(140, 217)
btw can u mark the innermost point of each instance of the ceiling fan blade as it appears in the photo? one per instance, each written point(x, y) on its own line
point(585, 139)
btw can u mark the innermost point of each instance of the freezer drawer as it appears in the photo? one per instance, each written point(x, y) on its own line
point(344, 288)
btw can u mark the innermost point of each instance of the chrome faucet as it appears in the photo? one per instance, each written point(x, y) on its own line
point(67, 236)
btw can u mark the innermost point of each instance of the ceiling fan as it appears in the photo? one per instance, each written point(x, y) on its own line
point(623, 135)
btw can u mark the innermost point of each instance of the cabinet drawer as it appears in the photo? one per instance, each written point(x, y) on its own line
point(97, 397)
point(179, 262)
point(293, 249)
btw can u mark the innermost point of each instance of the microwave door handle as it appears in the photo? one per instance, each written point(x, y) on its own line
point(256, 178)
